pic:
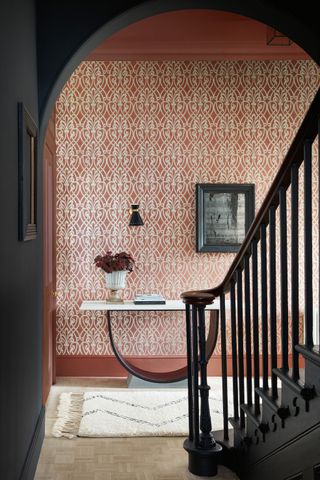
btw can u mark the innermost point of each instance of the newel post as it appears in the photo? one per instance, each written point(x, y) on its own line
point(202, 449)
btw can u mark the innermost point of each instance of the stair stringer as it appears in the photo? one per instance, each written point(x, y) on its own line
point(261, 443)
point(296, 459)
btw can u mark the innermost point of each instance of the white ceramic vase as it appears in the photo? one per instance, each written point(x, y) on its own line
point(116, 281)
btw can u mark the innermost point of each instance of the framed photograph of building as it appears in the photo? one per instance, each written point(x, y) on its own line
point(224, 213)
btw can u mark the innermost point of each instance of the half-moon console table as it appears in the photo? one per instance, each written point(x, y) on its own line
point(170, 305)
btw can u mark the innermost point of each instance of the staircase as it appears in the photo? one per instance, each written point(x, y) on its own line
point(273, 431)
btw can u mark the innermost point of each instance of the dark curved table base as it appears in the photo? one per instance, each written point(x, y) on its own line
point(174, 375)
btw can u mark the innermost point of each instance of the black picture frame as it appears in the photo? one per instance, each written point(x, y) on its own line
point(224, 213)
point(27, 175)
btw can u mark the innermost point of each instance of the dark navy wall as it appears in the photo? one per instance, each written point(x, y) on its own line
point(20, 264)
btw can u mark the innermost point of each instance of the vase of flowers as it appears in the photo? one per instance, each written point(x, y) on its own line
point(116, 267)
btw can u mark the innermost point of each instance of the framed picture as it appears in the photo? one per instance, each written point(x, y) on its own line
point(224, 213)
point(27, 174)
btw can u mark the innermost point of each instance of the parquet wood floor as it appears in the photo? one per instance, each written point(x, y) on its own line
point(139, 458)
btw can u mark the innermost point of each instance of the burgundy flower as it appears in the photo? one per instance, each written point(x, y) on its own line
point(115, 263)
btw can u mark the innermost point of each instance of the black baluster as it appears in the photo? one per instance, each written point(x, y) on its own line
point(247, 301)
point(264, 304)
point(255, 319)
point(190, 383)
point(308, 243)
point(283, 277)
point(234, 352)
point(240, 344)
point(272, 299)
point(295, 268)
point(195, 373)
point(206, 439)
point(224, 367)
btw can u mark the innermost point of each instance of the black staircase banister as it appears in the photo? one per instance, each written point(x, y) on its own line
point(307, 130)
point(251, 420)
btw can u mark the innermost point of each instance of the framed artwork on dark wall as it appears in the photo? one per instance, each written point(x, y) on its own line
point(27, 174)
point(224, 213)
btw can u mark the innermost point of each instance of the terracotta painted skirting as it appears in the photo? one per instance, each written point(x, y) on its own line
point(108, 365)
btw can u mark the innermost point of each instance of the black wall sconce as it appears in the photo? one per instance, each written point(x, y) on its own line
point(135, 219)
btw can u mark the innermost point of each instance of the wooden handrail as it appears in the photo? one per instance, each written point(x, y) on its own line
point(308, 130)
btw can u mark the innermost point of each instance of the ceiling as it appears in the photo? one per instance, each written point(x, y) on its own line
point(197, 34)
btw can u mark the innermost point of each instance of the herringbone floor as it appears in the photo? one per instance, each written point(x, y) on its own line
point(144, 458)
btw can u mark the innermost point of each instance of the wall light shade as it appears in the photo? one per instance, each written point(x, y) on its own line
point(135, 219)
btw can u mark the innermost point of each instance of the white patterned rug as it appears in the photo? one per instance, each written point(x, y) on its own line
point(129, 412)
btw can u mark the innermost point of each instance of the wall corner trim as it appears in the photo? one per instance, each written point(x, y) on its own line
point(31, 461)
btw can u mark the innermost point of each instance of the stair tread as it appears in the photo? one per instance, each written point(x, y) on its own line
point(256, 419)
point(297, 385)
point(274, 403)
point(311, 353)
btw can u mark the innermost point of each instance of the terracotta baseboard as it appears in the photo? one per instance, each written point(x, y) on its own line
point(108, 365)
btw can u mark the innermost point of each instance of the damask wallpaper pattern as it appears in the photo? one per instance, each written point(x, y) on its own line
point(146, 133)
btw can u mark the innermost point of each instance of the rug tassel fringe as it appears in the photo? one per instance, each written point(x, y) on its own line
point(69, 415)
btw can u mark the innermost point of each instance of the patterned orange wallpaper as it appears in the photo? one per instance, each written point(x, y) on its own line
point(147, 132)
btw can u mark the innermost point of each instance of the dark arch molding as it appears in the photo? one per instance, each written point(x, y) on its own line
point(92, 23)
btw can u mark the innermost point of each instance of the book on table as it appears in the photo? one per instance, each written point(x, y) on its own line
point(149, 299)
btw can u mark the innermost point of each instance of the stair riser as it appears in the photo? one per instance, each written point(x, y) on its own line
point(289, 396)
point(253, 433)
point(312, 373)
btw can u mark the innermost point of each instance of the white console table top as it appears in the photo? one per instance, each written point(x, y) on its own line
point(128, 306)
